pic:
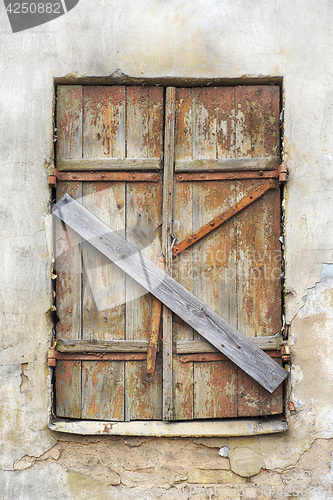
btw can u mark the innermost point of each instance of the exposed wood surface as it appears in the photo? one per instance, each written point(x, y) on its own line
point(199, 428)
point(167, 231)
point(68, 255)
point(212, 327)
point(225, 164)
point(103, 313)
point(102, 346)
point(69, 121)
point(105, 164)
point(182, 271)
point(109, 176)
point(143, 400)
point(270, 343)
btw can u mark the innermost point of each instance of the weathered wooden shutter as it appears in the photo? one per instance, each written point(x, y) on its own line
point(223, 143)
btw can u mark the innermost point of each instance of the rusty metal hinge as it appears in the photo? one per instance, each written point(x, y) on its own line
point(285, 352)
point(53, 176)
point(283, 173)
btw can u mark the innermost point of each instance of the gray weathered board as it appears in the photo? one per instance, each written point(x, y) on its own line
point(193, 311)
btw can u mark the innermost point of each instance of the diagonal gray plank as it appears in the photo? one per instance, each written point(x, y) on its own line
point(238, 348)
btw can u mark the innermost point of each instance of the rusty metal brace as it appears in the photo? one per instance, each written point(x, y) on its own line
point(223, 217)
point(154, 332)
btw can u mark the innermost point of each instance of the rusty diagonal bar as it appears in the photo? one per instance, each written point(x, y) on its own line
point(223, 217)
point(154, 331)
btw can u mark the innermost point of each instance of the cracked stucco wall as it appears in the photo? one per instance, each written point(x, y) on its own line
point(156, 38)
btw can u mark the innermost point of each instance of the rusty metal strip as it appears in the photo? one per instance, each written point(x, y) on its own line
point(220, 219)
point(109, 176)
point(187, 358)
point(154, 332)
point(55, 355)
point(221, 176)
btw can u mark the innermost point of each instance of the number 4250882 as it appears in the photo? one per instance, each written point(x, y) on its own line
point(34, 8)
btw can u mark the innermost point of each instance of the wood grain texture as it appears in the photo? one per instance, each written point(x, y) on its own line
point(270, 343)
point(108, 164)
point(143, 220)
point(216, 330)
point(167, 231)
point(69, 121)
point(228, 164)
point(104, 122)
point(101, 346)
point(103, 307)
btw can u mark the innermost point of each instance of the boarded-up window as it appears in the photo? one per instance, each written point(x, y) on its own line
point(156, 165)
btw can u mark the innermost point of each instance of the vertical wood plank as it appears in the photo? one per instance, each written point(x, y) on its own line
point(258, 247)
point(144, 122)
point(182, 269)
point(143, 400)
point(69, 121)
point(167, 231)
point(68, 302)
point(215, 390)
point(104, 122)
point(103, 307)
point(144, 134)
point(68, 255)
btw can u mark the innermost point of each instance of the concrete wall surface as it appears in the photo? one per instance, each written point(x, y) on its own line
point(156, 39)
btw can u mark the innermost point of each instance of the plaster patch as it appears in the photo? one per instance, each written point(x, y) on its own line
point(24, 379)
point(315, 301)
point(324, 422)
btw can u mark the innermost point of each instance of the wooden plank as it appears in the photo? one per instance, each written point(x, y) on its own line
point(144, 126)
point(214, 395)
point(69, 121)
point(197, 428)
point(257, 121)
point(214, 284)
point(214, 257)
point(270, 343)
point(103, 309)
point(182, 266)
point(68, 389)
point(167, 231)
point(212, 327)
point(143, 219)
point(68, 254)
point(104, 124)
point(182, 271)
point(102, 345)
point(228, 164)
point(105, 164)
point(144, 122)
point(258, 247)
point(254, 400)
